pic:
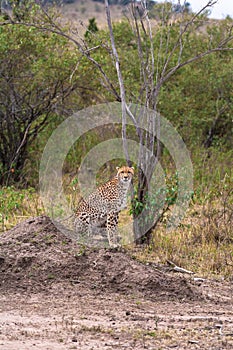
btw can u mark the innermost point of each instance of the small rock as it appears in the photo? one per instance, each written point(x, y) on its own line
point(193, 341)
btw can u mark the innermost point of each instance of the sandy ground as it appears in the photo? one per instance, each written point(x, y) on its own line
point(54, 295)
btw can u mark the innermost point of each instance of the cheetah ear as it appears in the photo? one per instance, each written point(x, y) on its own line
point(132, 167)
point(117, 168)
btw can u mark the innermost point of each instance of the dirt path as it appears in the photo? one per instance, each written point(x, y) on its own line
point(69, 317)
point(53, 295)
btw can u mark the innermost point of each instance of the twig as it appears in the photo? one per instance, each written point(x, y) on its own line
point(176, 268)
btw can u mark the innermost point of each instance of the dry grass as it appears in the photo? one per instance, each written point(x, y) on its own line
point(203, 243)
point(82, 11)
point(17, 206)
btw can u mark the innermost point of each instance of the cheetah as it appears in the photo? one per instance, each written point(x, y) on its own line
point(102, 207)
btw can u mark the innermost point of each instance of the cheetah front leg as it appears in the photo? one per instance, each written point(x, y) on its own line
point(112, 221)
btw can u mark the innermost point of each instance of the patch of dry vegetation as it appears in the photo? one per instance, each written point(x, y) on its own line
point(17, 205)
point(203, 243)
point(82, 11)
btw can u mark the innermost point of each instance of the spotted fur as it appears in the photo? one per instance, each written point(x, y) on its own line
point(102, 207)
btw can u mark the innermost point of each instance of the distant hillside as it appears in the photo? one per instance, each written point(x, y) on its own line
point(83, 10)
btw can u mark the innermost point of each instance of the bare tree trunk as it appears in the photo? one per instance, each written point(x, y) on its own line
point(154, 72)
point(121, 83)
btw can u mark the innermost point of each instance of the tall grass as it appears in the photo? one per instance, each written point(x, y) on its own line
point(18, 205)
point(203, 242)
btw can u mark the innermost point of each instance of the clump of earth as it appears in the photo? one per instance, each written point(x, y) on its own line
point(58, 294)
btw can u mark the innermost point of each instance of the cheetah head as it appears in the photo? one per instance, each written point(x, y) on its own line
point(125, 174)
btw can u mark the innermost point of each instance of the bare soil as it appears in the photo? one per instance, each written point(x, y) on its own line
point(56, 294)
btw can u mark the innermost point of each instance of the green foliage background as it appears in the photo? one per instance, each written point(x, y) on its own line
point(198, 100)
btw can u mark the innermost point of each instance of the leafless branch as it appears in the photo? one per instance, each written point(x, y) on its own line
point(164, 76)
point(175, 268)
point(193, 59)
point(55, 29)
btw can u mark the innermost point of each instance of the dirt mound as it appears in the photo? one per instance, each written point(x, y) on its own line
point(35, 255)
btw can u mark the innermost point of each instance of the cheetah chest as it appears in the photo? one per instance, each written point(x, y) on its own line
point(111, 201)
